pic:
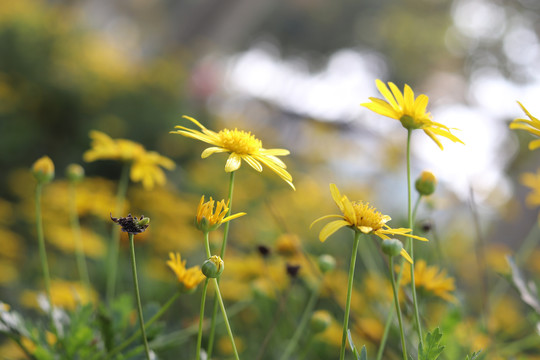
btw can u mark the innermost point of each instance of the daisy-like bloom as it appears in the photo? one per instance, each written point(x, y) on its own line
point(187, 278)
point(432, 280)
point(209, 219)
point(532, 181)
point(531, 125)
point(409, 111)
point(240, 145)
point(146, 165)
point(361, 217)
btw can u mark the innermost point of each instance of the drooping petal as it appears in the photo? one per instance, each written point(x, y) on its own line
point(253, 163)
point(233, 162)
point(331, 228)
point(406, 255)
point(212, 150)
point(324, 218)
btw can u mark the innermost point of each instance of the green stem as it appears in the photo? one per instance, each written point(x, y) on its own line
point(411, 253)
point(133, 337)
point(137, 295)
point(415, 209)
point(349, 294)
point(222, 255)
point(398, 308)
point(114, 246)
point(225, 319)
point(43, 253)
point(201, 318)
point(76, 226)
point(303, 323)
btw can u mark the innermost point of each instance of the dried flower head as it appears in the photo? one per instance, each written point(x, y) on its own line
point(131, 224)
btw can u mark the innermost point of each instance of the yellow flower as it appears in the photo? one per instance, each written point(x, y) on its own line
point(209, 219)
point(531, 125)
point(361, 217)
point(241, 145)
point(145, 164)
point(431, 279)
point(146, 168)
point(533, 181)
point(64, 294)
point(43, 169)
point(187, 278)
point(409, 111)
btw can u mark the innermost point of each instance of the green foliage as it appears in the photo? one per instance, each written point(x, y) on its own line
point(432, 348)
point(474, 356)
point(363, 352)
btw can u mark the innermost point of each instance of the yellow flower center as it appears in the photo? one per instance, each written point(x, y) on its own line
point(239, 141)
point(366, 215)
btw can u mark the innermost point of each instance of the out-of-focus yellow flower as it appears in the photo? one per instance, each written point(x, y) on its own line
point(532, 181)
point(506, 316)
point(370, 328)
point(146, 169)
point(64, 294)
point(431, 279)
point(8, 272)
point(187, 278)
point(145, 164)
point(209, 219)
point(409, 111)
point(241, 145)
point(361, 217)
point(225, 347)
point(532, 125)
point(288, 245)
point(43, 169)
point(61, 236)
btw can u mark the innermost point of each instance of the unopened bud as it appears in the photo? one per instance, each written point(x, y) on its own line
point(320, 321)
point(326, 263)
point(75, 172)
point(426, 183)
point(43, 170)
point(392, 247)
point(213, 267)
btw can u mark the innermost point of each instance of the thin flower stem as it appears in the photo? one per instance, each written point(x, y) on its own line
point(201, 318)
point(43, 253)
point(303, 323)
point(135, 335)
point(114, 246)
point(207, 245)
point(349, 294)
point(398, 308)
point(76, 226)
point(137, 295)
point(416, 209)
point(411, 244)
point(228, 326)
point(222, 255)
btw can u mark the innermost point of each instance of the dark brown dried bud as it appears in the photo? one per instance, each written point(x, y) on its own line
point(292, 270)
point(131, 224)
point(263, 250)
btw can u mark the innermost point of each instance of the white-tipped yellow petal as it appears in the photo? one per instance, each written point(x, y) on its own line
point(212, 150)
point(233, 162)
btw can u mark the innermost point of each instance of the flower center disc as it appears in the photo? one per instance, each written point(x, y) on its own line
point(239, 142)
point(367, 216)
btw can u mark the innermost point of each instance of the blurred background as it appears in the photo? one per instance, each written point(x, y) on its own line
point(294, 73)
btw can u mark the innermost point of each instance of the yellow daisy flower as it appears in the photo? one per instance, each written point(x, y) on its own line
point(241, 145)
point(409, 111)
point(431, 279)
point(531, 125)
point(209, 219)
point(361, 217)
point(187, 278)
point(145, 164)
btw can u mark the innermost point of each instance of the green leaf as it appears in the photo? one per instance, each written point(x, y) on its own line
point(474, 356)
point(432, 348)
point(363, 352)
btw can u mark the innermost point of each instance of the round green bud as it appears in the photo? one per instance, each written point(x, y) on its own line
point(392, 247)
point(320, 321)
point(75, 172)
point(213, 267)
point(426, 183)
point(326, 263)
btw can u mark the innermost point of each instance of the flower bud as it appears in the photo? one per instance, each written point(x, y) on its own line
point(213, 267)
point(426, 183)
point(43, 170)
point(320, 321)
point(392, 247)
point(326, 263)
point(75, 172)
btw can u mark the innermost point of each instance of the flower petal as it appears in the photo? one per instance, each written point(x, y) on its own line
point(406, 255)
point(212, 150)
point(331, 228)
point(233, 162)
